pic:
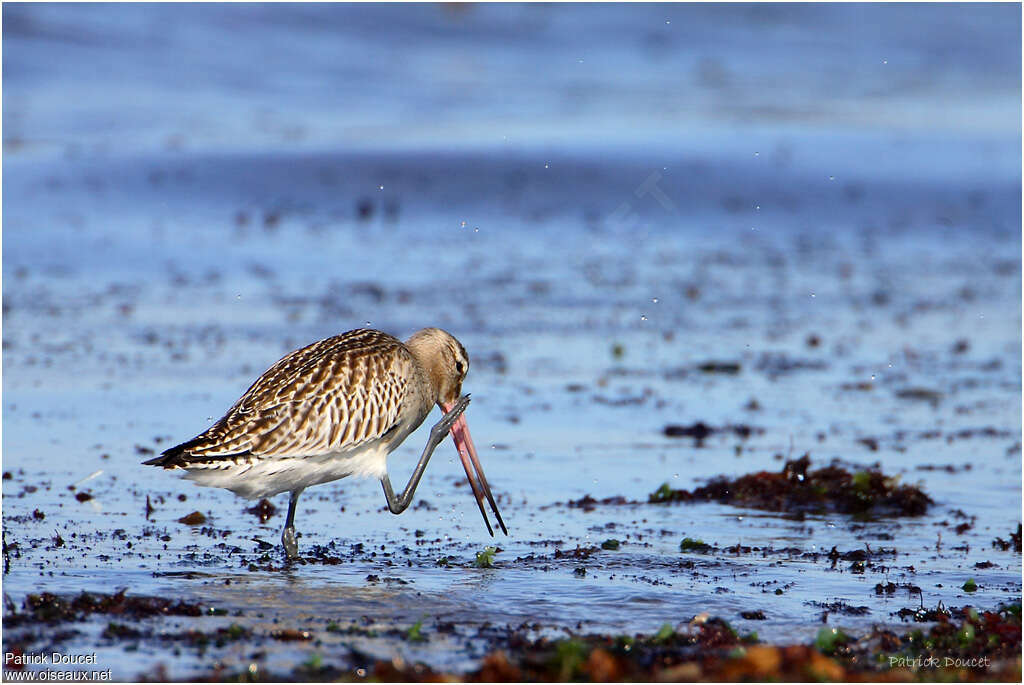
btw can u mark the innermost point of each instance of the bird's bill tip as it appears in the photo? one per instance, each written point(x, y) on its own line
point(474, 472)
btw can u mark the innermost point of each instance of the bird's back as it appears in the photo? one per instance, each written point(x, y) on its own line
point(330, 397)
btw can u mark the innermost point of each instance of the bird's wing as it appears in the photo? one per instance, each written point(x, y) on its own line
point(322, 399)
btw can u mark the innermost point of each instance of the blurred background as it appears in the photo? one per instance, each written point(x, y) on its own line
point(801, 217)
point(103, 80)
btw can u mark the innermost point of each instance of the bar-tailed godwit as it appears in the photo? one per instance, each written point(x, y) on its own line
point(337, 408)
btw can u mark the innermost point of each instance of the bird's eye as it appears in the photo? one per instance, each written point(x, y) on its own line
point(459, 367)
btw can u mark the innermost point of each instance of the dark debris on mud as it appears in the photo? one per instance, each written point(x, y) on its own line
point(1014, 541)
point(264, 510)
point(51, 608)
point(700, 431)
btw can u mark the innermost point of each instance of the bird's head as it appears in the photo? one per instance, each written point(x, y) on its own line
point(445, 360)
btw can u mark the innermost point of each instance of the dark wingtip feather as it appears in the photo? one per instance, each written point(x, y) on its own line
point(172, 457)
point(180, 456)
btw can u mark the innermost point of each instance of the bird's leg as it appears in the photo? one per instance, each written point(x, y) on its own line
point(398, 504)
point(291, 547)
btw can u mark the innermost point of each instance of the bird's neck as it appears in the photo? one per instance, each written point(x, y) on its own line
point(427, 356)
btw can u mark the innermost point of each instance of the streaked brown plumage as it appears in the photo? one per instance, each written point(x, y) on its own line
point(335, 408)
point(322, 399)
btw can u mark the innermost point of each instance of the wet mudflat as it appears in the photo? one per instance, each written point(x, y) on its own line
point(666, 444)
point(768, 428)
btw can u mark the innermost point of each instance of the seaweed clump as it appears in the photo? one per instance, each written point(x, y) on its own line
point(797, 488)
point(964, 646)
point(598, 658)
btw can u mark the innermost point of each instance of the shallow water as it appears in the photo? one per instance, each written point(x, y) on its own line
point(589, 270)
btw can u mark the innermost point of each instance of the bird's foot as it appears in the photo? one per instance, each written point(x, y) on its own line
point(291, 547)
point(441, 428)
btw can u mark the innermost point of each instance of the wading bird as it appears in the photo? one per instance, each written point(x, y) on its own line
point(337, 408)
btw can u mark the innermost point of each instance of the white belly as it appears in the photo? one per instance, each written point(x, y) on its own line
point(271, 476)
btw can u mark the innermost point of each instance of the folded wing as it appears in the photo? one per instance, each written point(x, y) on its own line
point(326, 398)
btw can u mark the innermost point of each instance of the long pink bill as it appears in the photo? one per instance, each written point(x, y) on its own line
point(471, 462)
